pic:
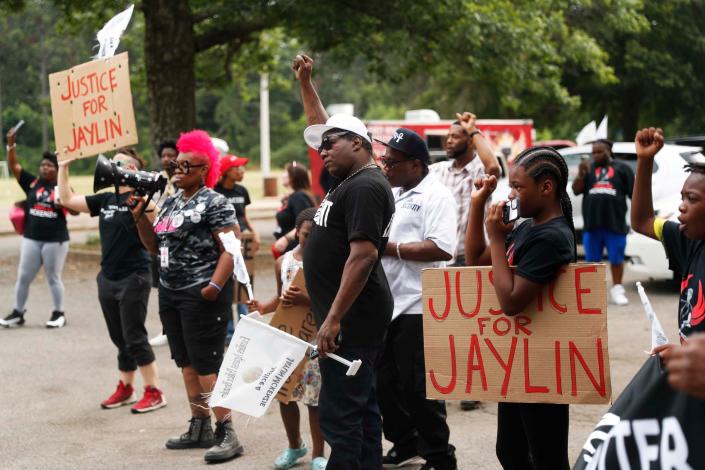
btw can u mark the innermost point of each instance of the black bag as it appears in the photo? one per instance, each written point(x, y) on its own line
point(650, 426)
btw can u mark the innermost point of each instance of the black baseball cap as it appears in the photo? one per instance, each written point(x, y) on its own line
point(409, 143)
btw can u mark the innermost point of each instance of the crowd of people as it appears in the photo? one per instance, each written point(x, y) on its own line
point(362, 249)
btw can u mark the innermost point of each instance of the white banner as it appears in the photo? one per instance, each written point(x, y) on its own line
point(258, 362)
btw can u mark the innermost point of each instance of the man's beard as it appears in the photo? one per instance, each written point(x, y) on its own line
point(455, 154)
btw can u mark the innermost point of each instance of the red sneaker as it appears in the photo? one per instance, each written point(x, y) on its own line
point(153, 399)
point(123, 395)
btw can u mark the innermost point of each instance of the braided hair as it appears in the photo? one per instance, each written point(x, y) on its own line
point(546, 161)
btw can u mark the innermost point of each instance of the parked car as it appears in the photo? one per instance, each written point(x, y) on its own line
point(644, 255)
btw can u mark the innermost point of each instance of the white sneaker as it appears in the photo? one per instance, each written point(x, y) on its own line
point(617, 295)
point(57, 320)
point(159, 340)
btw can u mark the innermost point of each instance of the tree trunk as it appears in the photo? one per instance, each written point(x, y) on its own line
point(44, 89)
point(630, 109)
point(169, 55)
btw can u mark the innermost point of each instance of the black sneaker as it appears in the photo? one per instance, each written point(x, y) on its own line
point(57, 320)
point(396, 458)
point(14, 319)
point(226, 444)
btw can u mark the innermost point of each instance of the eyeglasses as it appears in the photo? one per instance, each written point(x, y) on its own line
point(388, 163)
point(327, 143)
point(184, 166)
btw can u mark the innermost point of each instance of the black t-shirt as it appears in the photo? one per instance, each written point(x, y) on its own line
point(43, 220)
point(687, 257)
point(185, 229)
point(360, 208)
point(286, 217)
point(239, 198)
point(122, 252)
point(605, 196)
point(539, 251)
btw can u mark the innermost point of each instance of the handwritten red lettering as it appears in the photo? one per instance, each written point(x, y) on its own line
point(89, 84)
point(434, 314)
point(574, 353)
point(580, 291)
point(520, 321)
point(506, 366)
point(498, 329)
point(559, 379)
point(475, 352)
point(479, 295)
point(528, 388)
point(453, 377)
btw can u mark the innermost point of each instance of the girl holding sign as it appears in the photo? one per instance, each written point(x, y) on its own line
point(286, 268)
point(529, 435)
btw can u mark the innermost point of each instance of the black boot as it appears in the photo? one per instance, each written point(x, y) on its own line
point(226, 444)
point(198, 436)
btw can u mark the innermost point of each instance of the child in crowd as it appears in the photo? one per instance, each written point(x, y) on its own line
point(286, 268)
point(684, 240)
point(529, 435)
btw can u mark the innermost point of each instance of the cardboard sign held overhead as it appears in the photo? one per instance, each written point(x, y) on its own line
point(91, 105)
point(298, 321)
point(553, 352)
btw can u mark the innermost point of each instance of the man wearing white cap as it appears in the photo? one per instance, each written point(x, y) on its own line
point(350, 296)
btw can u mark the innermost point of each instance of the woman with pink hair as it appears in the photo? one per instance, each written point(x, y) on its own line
point(196, 287)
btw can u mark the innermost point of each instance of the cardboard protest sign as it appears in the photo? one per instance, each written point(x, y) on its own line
point(649, 426)
point(553, 352)
point(91, 105)
point(249, 250)
point(297, 321)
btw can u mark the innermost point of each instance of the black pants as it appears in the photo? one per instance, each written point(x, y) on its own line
point(532, 436)
point(195, 327)
point(410, 420)
point(349, 414)
point(124, 305)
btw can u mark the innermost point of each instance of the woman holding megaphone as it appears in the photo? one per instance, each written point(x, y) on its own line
point(195, 287)
point(124, 283)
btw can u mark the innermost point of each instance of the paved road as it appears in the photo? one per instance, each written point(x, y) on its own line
point(52, 382)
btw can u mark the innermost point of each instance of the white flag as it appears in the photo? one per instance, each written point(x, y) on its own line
point(258, 362)
point(109, 36)
point(601, 132)
point(233, 246)
point(587, 134)
point(658, 336)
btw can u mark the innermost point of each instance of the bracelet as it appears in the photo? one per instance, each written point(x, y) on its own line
point(398, 253)
point(10, 147)
point(211, 283)
point(473, 134)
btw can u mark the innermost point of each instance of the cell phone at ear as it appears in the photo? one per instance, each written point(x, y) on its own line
point(510, 211)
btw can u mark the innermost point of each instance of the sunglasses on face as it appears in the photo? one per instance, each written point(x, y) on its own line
point(184, 166)
point(327, 142)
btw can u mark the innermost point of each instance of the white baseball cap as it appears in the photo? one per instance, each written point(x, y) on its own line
point(313, 135)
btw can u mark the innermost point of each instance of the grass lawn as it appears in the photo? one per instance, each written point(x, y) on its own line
point(10, 191)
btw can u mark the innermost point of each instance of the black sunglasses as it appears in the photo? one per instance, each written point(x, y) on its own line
point(184, 166)
point(327, 143)
point(388, 163)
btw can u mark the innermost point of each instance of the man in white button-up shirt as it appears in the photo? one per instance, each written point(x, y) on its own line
point(423, 235)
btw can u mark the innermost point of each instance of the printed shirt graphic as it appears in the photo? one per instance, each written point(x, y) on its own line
point(239, 197)
point(359, 209)
point(44, 221)
point(539, 251)
point(426, 212)
point(122, 252)
point(605, 196)
point(687, 257)
point(186, 230)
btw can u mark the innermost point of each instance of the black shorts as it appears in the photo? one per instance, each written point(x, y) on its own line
point(195, 327)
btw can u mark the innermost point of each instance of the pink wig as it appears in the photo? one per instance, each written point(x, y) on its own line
point(198, 142)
